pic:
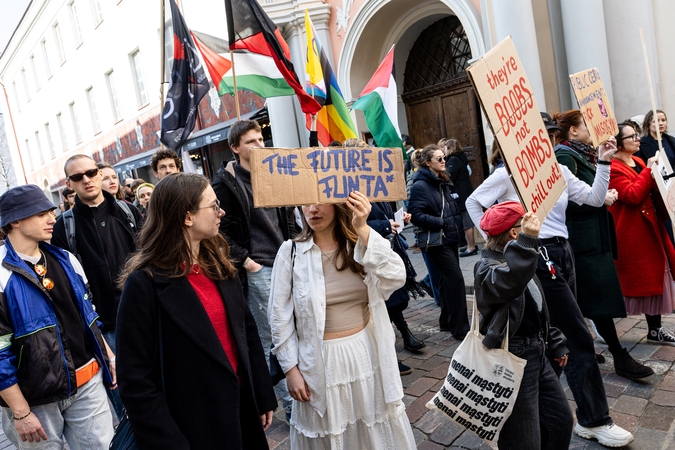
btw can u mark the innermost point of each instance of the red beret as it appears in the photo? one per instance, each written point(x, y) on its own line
point(501, 217)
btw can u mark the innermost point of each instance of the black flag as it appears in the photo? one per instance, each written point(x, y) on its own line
point(187, 86)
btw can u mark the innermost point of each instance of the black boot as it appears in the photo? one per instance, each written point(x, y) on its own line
point(409, 341)
point(625, 366)
point(403, 369)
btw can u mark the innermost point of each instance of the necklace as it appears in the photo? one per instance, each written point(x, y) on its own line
point(41, 271)
point(328, 255)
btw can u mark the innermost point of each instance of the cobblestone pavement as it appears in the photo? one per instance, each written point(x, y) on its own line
point(646, 408)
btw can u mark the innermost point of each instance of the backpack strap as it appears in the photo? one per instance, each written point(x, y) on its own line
point(69, 225)
point(130, 216)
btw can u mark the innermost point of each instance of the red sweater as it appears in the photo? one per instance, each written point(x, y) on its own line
point(208, 294)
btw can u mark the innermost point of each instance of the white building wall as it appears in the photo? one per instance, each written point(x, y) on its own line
point(127, 26)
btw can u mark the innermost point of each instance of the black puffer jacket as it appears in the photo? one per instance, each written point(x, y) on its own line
point(500, 285)
point(425, 205)
point(456, 169)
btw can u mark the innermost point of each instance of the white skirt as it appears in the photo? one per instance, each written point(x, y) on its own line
point(356, 415)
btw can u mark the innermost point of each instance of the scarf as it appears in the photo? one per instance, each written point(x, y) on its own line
point(584, 150)
point(399, 246)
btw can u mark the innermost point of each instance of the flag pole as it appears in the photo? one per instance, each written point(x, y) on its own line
point(229, 18)
point(236, 91)
point(162, 64)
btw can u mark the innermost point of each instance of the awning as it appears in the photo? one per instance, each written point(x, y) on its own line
point(218, 132)
point(135, 162)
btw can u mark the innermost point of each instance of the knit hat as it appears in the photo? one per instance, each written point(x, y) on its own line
point(501, 217)
point(22, 202)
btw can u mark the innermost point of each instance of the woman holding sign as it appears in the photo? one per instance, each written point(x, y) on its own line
point(332, 334)
point(433, 208)
point(593, 240)
point(646, 255)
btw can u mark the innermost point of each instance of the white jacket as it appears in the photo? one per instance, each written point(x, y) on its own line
point(297, 318)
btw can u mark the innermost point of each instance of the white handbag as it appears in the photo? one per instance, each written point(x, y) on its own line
point(481, 386)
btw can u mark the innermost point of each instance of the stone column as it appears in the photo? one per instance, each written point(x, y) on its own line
point(516, 18)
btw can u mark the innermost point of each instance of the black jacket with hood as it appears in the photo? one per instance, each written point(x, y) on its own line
point(500, 284)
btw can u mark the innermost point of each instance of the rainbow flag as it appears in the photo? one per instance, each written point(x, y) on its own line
point(333, 122)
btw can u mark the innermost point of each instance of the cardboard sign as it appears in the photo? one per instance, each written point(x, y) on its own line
point(508, 101)
point(666, 185)
point(309, 176)
point(594, 105)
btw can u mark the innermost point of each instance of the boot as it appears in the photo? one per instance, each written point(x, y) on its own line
point(625, 366)
point(409, 341)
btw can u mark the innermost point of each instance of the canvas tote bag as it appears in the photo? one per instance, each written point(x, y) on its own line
point(481, 386)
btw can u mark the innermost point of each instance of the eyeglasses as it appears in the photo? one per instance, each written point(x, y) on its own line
point(91, 173)
point(439, 159)
point(634, 137)
point(215, 208)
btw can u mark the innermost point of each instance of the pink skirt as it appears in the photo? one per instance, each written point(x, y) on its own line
point(655, 304)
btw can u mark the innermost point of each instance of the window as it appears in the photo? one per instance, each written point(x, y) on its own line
point(77, 31)
point(30, 157)
point(97, 10)
point(59, 44)
point(16, 96)
point(112, 93)
point(25, 84)
point(92, 111)
point(76, 123)
point(137, 72)
point(50, 143)
point(45, 56)
point(34, 70)
point(62, 132)
point(39, 147)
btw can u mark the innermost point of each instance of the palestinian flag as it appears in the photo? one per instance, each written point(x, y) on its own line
point(187, 86)
point(255, 72)
point(250, 29)
point(333, 122)
point(379, 105)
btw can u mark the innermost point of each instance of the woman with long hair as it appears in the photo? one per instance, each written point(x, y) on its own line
point(192, 372)
point(332, 334)
point(593, 240)
point(646, 255)
point(433, 209)
point(649, 146)
point(457, 168)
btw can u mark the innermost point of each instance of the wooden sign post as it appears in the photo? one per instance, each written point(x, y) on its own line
point(309, 176)
point(507, 99)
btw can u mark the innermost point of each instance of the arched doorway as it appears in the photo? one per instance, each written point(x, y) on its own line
point(438, 97)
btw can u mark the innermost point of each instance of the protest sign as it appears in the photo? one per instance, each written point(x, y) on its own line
point(594, 104)
point(666, 185)
point(508, 101)
point(308, 176)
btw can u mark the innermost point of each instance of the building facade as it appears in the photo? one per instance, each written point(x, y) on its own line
point(77, 84)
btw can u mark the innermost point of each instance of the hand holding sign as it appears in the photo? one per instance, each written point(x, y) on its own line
point(607, 150)
point(531, 224)
point(360, 206)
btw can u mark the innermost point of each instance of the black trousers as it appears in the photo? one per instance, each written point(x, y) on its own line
point(454, 317)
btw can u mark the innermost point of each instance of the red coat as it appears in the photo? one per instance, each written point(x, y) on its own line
point(641, 235)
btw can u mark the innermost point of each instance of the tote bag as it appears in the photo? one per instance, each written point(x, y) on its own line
point(481, 386)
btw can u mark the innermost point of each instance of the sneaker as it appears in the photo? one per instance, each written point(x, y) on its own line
point(661, 336)
point(403, 369)
point(610, 435)
point(597, 335)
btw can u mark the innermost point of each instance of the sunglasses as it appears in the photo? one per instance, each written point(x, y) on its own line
point(439, 159)
point(91, 173)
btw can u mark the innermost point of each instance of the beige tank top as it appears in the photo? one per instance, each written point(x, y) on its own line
point(346, 296)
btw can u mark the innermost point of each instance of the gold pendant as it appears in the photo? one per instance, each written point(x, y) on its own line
point(48, 283)
point(40, 270)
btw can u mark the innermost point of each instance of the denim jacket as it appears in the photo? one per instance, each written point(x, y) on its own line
point(297, 311)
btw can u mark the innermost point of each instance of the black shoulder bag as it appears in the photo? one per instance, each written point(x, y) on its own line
point(427, 238)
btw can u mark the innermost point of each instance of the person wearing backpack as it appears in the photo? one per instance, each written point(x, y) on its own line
point(101, 232)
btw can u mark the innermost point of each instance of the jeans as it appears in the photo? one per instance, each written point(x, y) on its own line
point(582, 371)
point(454, 317)
point(114, 394)
point(258, 298)
point(84, 419)
point(541, 417)
point(432, 279)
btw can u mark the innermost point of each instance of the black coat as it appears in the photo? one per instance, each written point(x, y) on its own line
point(202, 405)
point(91, 252)
point(649, 146)
point(235, 226)
point(425, 205)
point(455, 167)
